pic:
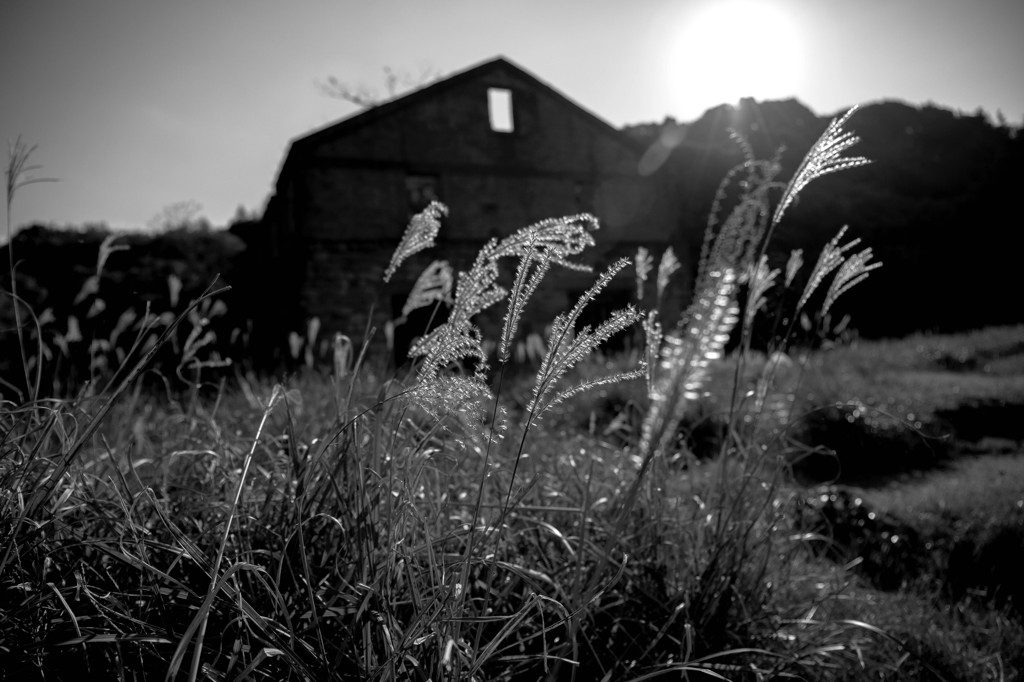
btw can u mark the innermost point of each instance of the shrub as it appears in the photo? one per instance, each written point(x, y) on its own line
point(859, 444)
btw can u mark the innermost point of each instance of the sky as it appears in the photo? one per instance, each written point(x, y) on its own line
point(140, 105)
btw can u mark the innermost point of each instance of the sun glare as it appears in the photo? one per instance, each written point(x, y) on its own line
point(732, 49)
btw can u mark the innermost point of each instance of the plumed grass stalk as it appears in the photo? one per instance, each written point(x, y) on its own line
point(91, 286)
point(759, 279)
point(18, 176)
point(851, 271)
point(341, 357)
point(698, 340)
point(533, 266)
point(459, 338)
point(556, 241)
point(667, 266)
point(432, 287)
point(826, 156)
point(419, 235)
point(567, 347)
point(740, 239)
point(559, 239)
point(643, 262)
point(793, 265)
point(537, 247)
point(47, 480)
point(654, 335)
point(733, 254)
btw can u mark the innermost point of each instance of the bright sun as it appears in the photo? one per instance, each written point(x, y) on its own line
point(732, 49)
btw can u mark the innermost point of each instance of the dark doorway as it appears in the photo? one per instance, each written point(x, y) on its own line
point(416, 324)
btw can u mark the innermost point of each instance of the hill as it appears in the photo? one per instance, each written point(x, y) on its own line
point(935, 204)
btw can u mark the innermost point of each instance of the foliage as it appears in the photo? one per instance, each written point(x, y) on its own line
point(106, 300)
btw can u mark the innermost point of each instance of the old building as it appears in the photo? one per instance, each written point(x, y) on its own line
point(500, 147)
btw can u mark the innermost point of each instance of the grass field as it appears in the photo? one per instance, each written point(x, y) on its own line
point(839, 514)
point(157, 482)
point(958, 588)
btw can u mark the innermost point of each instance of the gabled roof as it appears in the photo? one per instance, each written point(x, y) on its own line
point(305, 143)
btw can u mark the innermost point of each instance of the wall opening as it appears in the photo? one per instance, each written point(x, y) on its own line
point(420, 190)
point(499, 110)
point(420, 322)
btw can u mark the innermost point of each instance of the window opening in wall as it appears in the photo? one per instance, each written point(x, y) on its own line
point(582, 195)
point(499, 109)
point(420, 190)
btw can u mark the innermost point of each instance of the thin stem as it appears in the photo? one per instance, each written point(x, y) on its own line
point(215, 571)
point(18, 177)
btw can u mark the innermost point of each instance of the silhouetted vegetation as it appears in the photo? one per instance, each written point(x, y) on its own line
point(935, 205)
point(91, 289)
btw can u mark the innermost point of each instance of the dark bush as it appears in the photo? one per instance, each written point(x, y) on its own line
point(863, 446)
point(891, 553)
point(987, 560)
point(972, 421)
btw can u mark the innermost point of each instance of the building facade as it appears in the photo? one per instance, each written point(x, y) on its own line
point(494, 143)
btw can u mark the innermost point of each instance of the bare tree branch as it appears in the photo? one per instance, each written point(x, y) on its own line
point(395, 84)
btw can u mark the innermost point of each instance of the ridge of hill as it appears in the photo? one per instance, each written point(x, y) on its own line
point(934, 204)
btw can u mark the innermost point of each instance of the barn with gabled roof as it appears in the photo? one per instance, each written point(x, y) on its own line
point(496, 144)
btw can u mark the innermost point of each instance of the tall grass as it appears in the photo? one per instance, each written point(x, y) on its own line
point(421, 527)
